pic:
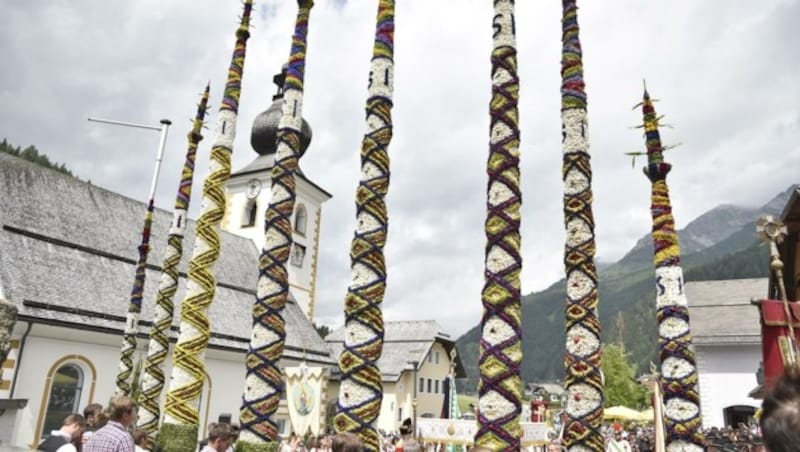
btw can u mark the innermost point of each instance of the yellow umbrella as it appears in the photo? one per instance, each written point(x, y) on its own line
point(646, 415)
point(621, 412)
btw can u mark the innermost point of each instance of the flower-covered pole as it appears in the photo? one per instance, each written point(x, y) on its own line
point(264, 379)
point(361, 392)
point(678, 367)
point(500, 387)
point(179, 430)
point(137, 291)
point(153, 378)
point(583, 381)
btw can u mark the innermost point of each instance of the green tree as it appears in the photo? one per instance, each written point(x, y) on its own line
point(32, 154)
point(621, 388)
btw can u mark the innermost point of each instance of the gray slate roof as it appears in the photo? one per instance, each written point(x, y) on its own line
point(68, 250)
point(403, 342)
point(720, 312)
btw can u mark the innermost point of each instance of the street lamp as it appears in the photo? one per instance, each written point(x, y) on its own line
point(165, 123)
point(137, 292)
point(414, 399)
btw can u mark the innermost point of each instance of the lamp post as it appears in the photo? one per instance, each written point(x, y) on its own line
point(414, 399)
point(137, 292)
point(165, 123)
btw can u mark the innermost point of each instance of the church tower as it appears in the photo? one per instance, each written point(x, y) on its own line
point(249, 192)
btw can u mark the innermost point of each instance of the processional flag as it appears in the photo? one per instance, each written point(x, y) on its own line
point(153, 378)
point(182, 415)
point(360, 391)
point(678, 367)
point(264, 379)
point(780, 319)
point(583, 381)
point(500, 387)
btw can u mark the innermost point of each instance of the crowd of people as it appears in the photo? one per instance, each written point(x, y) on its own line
point(109, 430)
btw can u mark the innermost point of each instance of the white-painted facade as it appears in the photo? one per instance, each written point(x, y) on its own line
point(248, 196)
point(726, 374)
point(47, 348)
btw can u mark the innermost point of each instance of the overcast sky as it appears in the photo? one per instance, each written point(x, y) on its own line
point(726, 71)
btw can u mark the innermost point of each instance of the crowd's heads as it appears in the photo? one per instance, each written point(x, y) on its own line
point(221, 436)
point(73, 425)
point(406, 428)
point(121, 409)
point(780, 417)
point(91, 413)
point(346, 442)
point(140, 437)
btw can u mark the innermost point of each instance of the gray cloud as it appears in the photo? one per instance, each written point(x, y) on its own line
point(726, 77)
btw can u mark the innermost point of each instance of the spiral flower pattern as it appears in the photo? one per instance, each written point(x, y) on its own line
point(678, 366)
point(360, 391)
point(583, 381)
point(264, 379)
point(181, 405)
point(135, 307)
point(499, 390)
point(153, 378)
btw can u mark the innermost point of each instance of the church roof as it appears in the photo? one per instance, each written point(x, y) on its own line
point(403, 342)
point(68, 250)
point(263, 165)
point(720, 312)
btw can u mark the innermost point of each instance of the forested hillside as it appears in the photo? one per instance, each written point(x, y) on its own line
point(724, 247)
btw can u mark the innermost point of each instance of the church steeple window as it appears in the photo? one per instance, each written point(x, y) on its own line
point(250, 211)
point(300, 219)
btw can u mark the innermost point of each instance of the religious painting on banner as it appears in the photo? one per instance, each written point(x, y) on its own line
point(776, 342)
point(305, 392)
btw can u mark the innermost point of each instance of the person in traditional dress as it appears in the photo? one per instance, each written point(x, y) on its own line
point(618, 443)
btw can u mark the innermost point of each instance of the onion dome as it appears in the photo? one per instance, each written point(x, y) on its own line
point(265, 126)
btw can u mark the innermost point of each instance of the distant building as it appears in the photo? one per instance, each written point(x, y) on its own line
point(549, 392)
point(415, 360)
point(727, 341)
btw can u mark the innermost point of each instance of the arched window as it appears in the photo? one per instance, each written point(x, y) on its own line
point(65, 396)
point(250, 210)
point(300, 219)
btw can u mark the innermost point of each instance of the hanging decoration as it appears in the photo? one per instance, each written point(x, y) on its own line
point(678, 367)
point(360, 391)
point(153, 378)
point(583, 381)
point(181, 420)
point(500, 387)
point(264, 379)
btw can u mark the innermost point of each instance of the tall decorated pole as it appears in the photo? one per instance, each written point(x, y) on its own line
point(181, 420)
point(264, 379)
point(360, 391)
point(678, 367)
point(135, 305)
point(500, 387)
point(582, 381)
point(153, 378)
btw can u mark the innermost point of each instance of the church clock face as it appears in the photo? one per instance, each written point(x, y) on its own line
point(253, 188)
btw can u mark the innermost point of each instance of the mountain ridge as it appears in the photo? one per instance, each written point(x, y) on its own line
point(721, 243)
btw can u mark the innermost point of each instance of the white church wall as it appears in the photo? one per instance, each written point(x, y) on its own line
point(97, 355)
point(726, 375)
